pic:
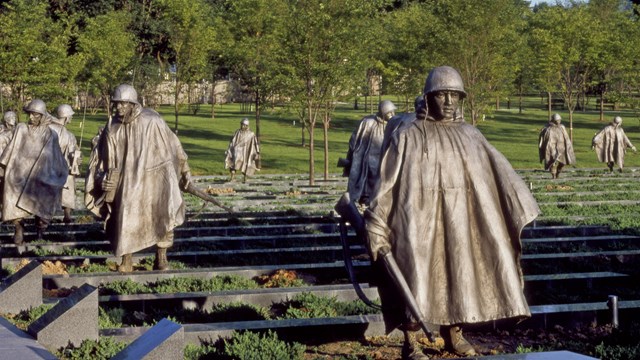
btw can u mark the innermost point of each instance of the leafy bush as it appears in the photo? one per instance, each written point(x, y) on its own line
point(104, 348)
point(24, 318)
point(253, 346)
point(124, 287)
point(111, 318)
point(308, 305)
point(618, 352)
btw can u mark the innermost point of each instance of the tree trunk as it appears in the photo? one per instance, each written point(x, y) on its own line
point(548, 104)
point(602, 106)
point(311, 154)
point(257, 94)
point(325, 128)
point(176, 107)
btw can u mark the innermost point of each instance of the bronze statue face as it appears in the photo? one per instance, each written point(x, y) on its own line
point(244, 127)
point(443, 104)
point(35, 118)
point(124, 108)
point(388, 115)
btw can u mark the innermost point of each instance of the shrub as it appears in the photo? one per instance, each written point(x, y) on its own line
point(253, 346)
point(104, 348)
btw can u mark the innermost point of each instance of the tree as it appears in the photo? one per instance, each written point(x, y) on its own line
point(566, 49)
point(478, 38)
point(33, 54)
point(107, 48)
point(190, 37)
point(253, 47)
point(327, 46)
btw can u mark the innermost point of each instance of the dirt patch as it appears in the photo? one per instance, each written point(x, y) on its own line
point(579, 340)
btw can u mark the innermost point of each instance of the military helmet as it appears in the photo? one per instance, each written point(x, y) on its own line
point(36, 106)
point(617, 120)
point(64, 111)
point(385, 107)
point(10, 118)
point(244, 121)
point(125, 93)
point(556, 118)
point(444, 78)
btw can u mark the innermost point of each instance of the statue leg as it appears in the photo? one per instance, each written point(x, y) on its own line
point(559, 169)
point(233, 174)
point(126, 265)
point(411, 349)
point(68, 219)
point(454, 342)
point(610, 165)
point(554, 170)
point(161, 262)
point(18, 235)
point(41, 225)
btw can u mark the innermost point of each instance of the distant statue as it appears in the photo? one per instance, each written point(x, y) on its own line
point(449, 209)
point(6, 129)
point(34, 172)
point(243, 153)
point(9, 120)
point(400, 120)
point(611, 144)
point(69, 147)
point(365, 149)
point(136, 172)
point(554, 147)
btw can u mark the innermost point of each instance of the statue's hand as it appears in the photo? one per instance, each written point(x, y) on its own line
point(108, 185)
point(185, 180)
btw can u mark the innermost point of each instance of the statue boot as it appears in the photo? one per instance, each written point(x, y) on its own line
point(68, 219)
point(454, 342)
point(18, 235)
point(411, 349)
point(126, 265)
point(161, 263)
point(233, 175)
point(41, 227)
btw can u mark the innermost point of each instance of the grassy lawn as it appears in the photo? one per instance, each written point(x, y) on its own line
point(205, 140)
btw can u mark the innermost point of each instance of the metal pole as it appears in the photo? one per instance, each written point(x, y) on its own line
point(612, 303)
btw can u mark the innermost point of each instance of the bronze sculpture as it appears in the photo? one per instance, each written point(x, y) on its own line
point(68, 146)
point(611, 143)
point(554, 147)
point(8, 121)
point(243, 153)
point(136, 172)
point(365, 149)
point(449, 208)
point(34, 172)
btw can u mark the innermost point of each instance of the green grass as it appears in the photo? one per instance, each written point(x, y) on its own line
point(205, 140)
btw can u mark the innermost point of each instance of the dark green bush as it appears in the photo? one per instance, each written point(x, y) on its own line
point(253, 346)
point(104, 348)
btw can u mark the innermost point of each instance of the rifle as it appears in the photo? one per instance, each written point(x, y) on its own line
point(348, 211)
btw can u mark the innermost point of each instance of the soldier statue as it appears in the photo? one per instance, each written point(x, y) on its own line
point(449, 208)
point(554, 147)
point(69, 147)
point(9, 120)
point(365, 149)
point(243, 153)
point(611, 143)
point(34, 172)
point(136, 172)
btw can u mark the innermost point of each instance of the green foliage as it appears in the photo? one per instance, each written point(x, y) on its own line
point(24, 318)
point(111, 318)
point(618, 352)
point(91, 268)
point(253, 346)
point(308, 305)
point(206, 351)
point(103, 349)
point(124, 287)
